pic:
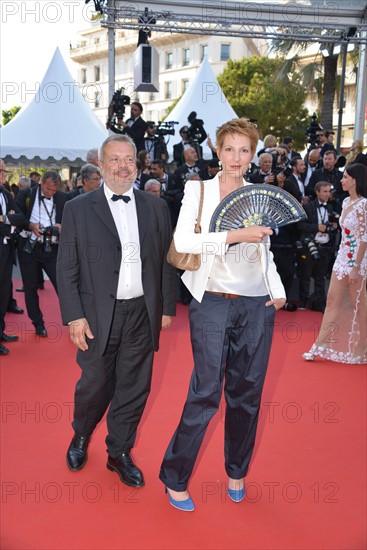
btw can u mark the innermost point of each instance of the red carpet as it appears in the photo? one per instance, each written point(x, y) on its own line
point(305, 490)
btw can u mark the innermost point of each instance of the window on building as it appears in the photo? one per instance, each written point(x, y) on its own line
point(169, 57)
point(97, 73)
point(84, 76)
point(204, 51)
point(186, 57)
point(185, 85)
point(168, 90)
point(225, 50)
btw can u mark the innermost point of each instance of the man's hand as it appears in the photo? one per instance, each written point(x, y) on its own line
point(321, 227)
point(35, 228)
point(166, 321)
point(277, 303)
point(79, 330)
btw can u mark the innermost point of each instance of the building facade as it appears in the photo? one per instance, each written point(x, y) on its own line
point(179, 59)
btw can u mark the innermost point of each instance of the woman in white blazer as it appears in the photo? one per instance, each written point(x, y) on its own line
point(235, 293)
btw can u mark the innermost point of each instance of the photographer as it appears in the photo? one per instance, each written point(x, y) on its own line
point(191, 136)
point(154, 142)
point(135, 126)
point(294, 184)
point(171, 189)
point(42, 207)
point(266, 171)
point(318, 235)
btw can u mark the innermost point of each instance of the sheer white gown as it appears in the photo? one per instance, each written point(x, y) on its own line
point(343, 331)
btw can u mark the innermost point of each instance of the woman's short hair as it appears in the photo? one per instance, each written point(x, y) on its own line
point(358, 172)
point(240, 126)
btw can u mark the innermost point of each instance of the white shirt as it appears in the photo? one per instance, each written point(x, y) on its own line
point(300, 185)
point(126, 220)
point(43, 212)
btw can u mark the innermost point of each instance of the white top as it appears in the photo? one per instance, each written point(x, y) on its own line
point(213, 246)
point(126, 220)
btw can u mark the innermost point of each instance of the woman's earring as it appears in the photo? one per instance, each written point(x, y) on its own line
point(220, 165)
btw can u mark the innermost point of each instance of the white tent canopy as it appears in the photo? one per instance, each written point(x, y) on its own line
point(58, 123)
point(205, 97)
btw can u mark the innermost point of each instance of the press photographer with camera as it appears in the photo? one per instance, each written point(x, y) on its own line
point(154, 139)
point(134, 127)
point(192, 136)
point(42, 207)
point(318, 235)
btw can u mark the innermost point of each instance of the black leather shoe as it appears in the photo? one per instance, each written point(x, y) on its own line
point(290, 307)
point(77, 456)
point(3, 350)
point(126, 470)
point(9, 338)
point(20, 289)
point(15, 309)
point(40, 330)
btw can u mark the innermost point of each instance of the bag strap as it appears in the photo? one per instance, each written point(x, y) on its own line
point(197, 225)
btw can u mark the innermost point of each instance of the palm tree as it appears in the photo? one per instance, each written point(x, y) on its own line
point(320, 75)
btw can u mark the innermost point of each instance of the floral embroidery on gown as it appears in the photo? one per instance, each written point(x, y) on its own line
point(343, 333)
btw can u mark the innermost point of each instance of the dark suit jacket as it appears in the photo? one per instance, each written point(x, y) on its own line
point(16, 219)
point(26, 198)
point(178, 151)
point(310, 226)
point(137, 132)
point(291, 185)
point(89, 260)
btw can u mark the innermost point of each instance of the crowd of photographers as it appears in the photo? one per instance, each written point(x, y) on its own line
point(31, 220)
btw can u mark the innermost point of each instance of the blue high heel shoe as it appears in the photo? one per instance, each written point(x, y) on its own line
point(236, 494)
point(184, 505)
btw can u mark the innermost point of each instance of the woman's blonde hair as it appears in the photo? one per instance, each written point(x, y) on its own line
point(240, 126)
point(356, 148)
point(270, 141)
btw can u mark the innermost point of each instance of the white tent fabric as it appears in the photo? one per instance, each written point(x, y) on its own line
point(205, 97)
point(58, 123)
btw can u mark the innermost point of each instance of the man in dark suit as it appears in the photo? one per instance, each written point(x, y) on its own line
point(10, 216)
point(294, 184)
point(318, 237)
point(330, 173)
point(171, 189)
point(192, 167)
point(186, 141)
point(116, 293)
point(90, 175)
point(135, 126)
point(42, 207)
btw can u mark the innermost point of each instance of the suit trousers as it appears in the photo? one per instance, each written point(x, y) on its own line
point(120, 378)
point(6, 266)
point(30, 265)
point(316, 268)
point(232, 338)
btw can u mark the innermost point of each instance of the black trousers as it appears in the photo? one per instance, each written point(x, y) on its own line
point(30, 265)
point(285, 260)
point(6, 266)
point(231, 338)
point(120, 379)
point(309, 267)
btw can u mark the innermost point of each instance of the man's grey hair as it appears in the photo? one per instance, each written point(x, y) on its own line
point(24, 181)
point(116, 137)
point(264, 155)
point(53, 176)
point(149, 184)
point(92, 155)
point(87, 171)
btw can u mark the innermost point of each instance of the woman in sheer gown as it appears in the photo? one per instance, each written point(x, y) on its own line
point(343, 333)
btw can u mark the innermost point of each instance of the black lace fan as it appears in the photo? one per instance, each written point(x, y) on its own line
point(256, 204)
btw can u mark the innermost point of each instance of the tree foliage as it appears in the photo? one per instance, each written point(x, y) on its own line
point(253, 90)
point(9, 114)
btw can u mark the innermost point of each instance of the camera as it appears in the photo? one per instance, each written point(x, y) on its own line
point(196, 129)
point(311, 245)
point(333, 218)
point(116, 109)
point(165, 128)
point(313, 131)
point(50, 237)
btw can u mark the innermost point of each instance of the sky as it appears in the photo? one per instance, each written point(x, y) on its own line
point(30, 31)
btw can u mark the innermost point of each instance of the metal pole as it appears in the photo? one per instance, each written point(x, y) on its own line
point(111, 52)
point(361, 99)
point(344, 49)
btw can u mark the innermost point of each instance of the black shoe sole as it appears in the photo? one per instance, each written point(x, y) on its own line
point(109, 467)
